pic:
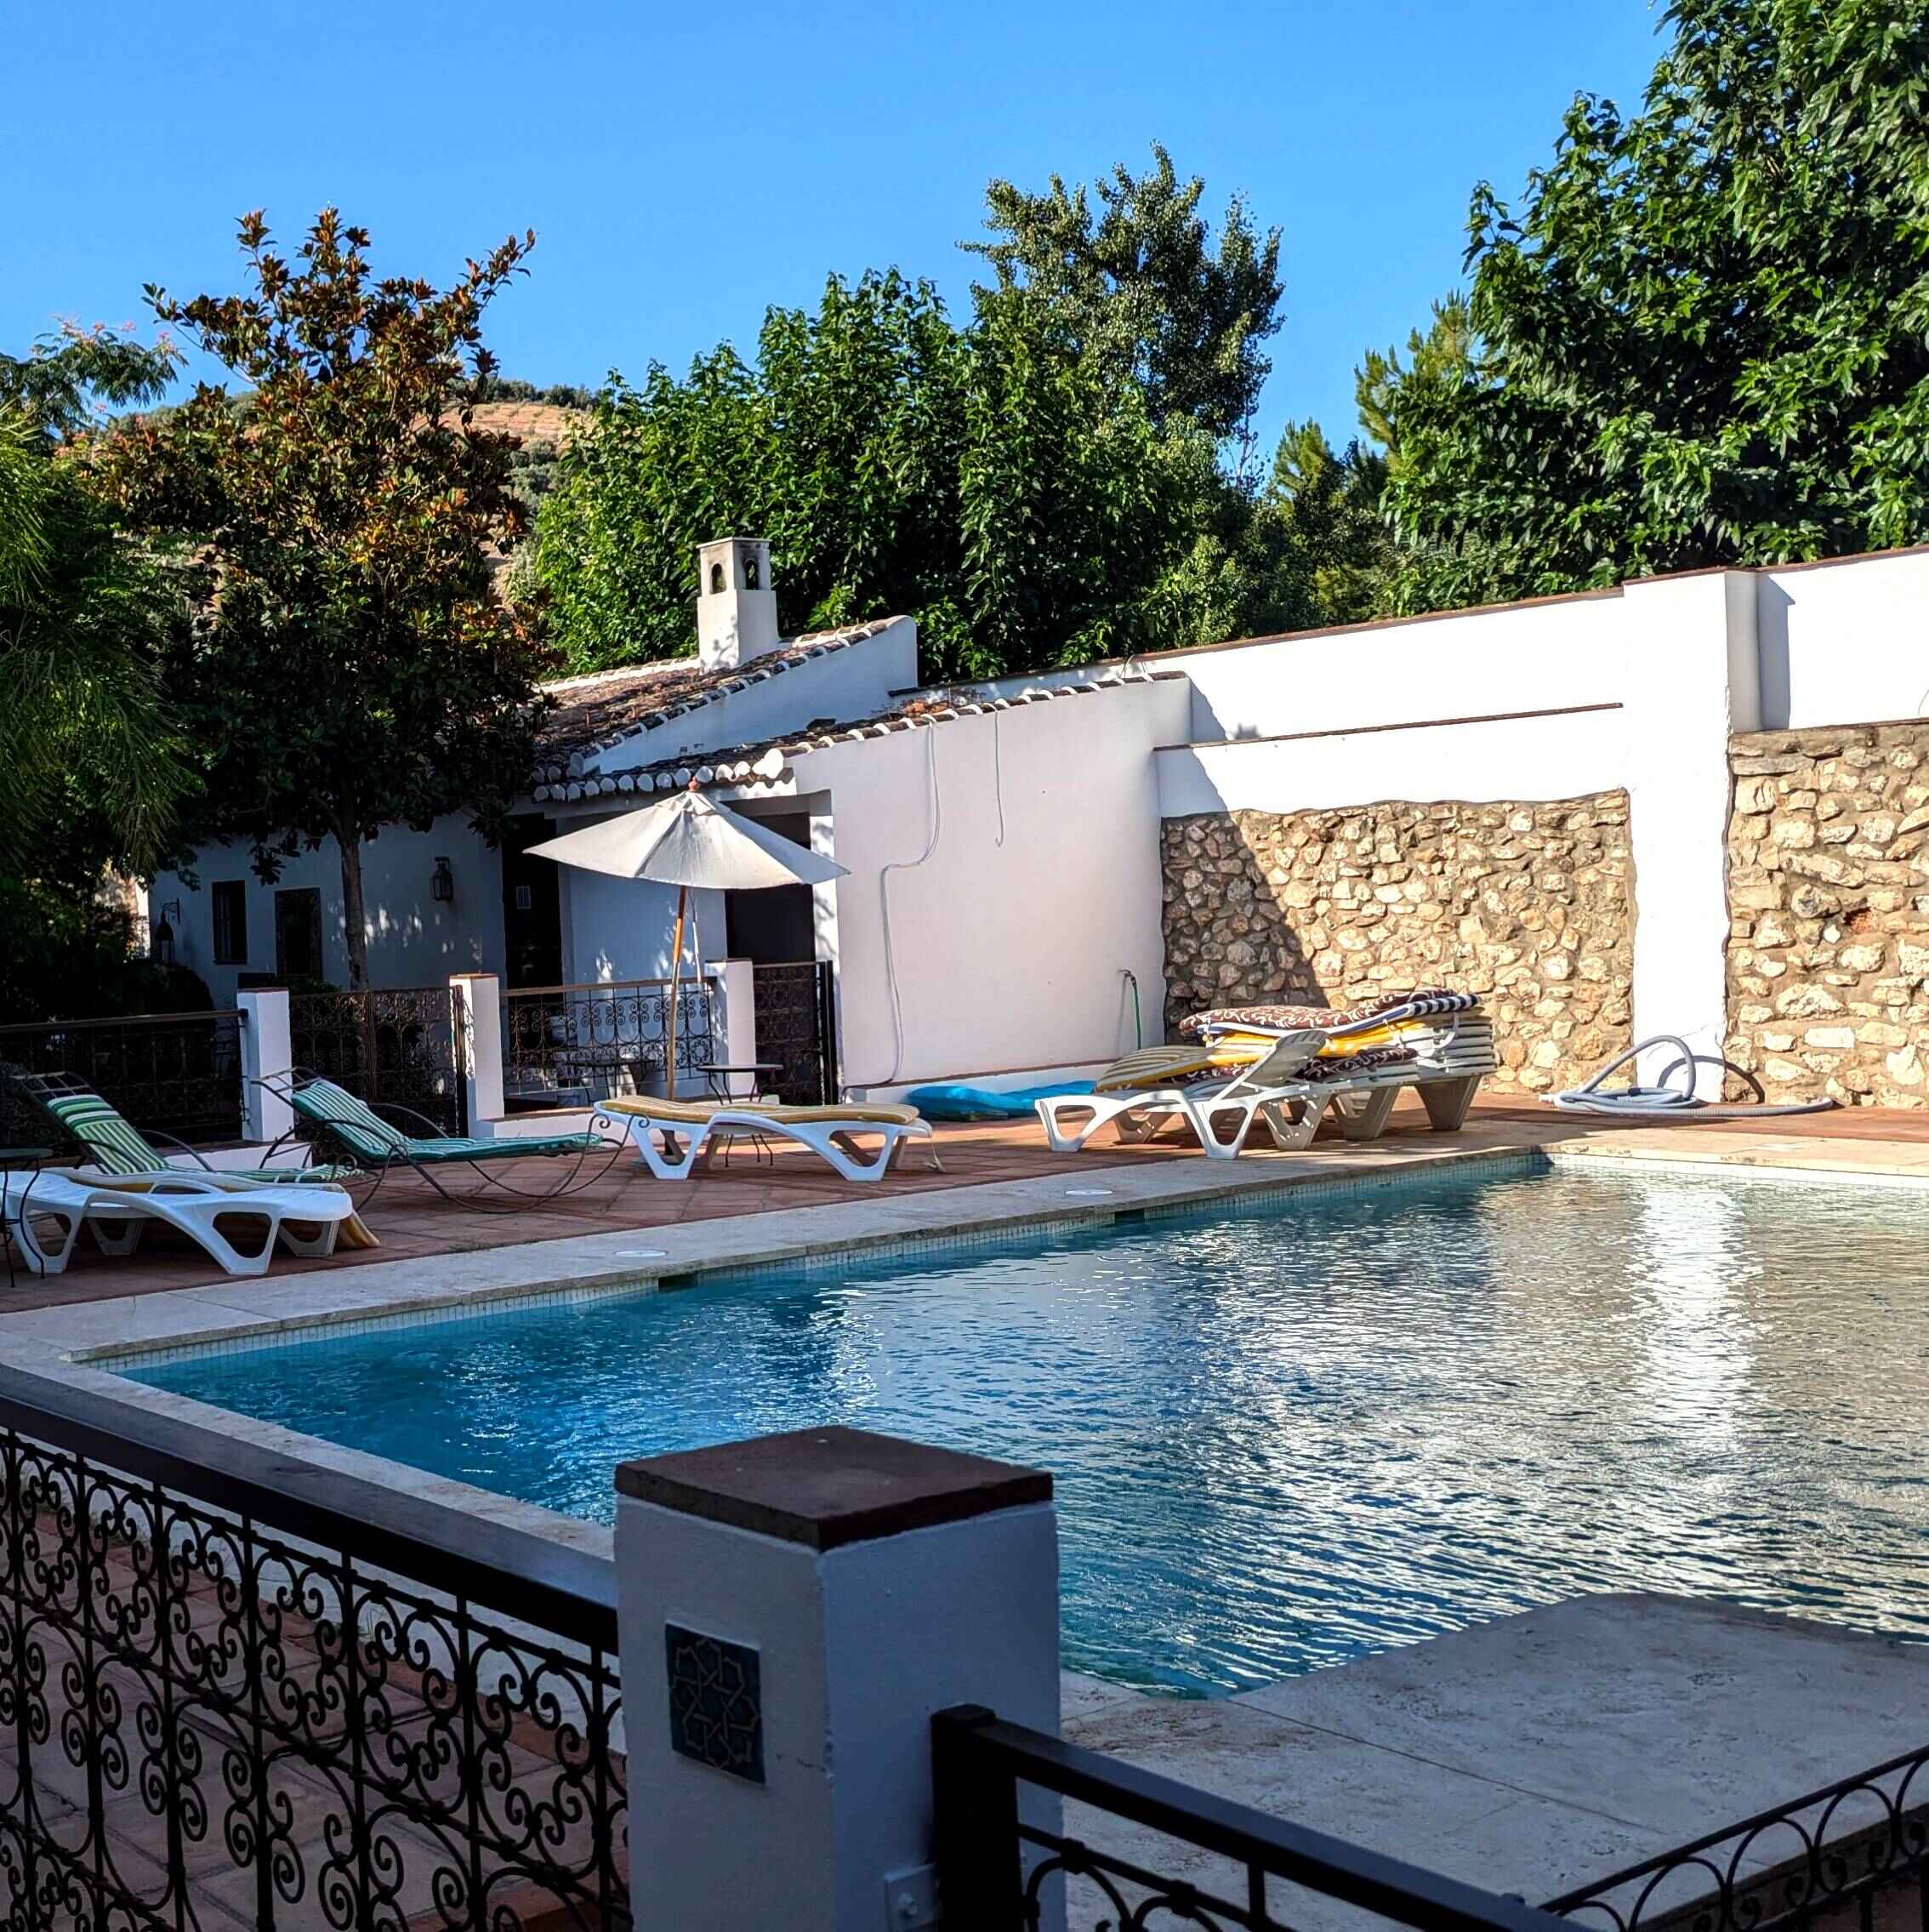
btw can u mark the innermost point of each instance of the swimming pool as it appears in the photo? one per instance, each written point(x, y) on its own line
point(1283, 1435)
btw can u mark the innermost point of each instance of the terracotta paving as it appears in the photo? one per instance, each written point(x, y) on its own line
point(411, 1220)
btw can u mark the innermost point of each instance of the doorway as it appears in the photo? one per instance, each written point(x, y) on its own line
point(531, 908)
point(778, 925)
point(297, 935)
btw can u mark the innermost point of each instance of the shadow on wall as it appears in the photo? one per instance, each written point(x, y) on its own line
point(1229, 939)
point(1528, 904)
point(1771, 606)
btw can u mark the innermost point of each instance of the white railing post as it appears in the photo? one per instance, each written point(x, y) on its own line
point(476, 1014)
point(265, 1049)
point(737, 1036)
point(793, 1611)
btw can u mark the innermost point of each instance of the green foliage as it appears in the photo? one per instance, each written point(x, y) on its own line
point(513, 389)
point(1704, 337)
point(351, 664)
point(83, 616)
point(986, 480)
point(1331, 505)
point(1140, 288)
point(1037, 485)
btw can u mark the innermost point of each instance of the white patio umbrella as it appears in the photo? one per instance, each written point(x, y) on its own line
point(689, 841)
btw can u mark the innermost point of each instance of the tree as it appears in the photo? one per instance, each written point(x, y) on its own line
point(1140, 287)
point(986, 480)
point(84, 614)
point(1332, 504)
point(349, 664)
point(1705, 337)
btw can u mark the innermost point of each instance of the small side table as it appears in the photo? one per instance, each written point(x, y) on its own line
point(718, 1079)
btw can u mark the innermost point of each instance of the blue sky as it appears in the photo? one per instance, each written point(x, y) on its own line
point(685, 167)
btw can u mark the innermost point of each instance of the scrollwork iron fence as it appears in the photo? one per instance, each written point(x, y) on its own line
point(1851, 1856)
point(579, 1045)
point(1002, 1856)
point(216, 1699)
point(399, 1043)
point(178, 1074)
point(1827, 1858)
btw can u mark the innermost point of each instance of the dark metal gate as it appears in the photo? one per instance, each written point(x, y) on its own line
point(178, 1074)
point(392, 1044)
point(797, 1030)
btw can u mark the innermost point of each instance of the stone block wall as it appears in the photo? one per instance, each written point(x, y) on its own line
point(1529, 905)
point(1829, 912)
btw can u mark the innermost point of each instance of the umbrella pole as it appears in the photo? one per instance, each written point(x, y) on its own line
point(670, 1019)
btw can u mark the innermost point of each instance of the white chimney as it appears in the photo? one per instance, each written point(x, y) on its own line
point(735, 605)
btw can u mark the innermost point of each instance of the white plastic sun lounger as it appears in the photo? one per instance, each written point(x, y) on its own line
point(1272, 1093)
point(675, 1138)
point(204, 1207)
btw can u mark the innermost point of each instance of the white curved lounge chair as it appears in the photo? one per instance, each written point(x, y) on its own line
point(1272, 1093)
point(204, 1207)
point(675, 1136)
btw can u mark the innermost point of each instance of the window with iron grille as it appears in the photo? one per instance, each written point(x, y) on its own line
point(230, 921)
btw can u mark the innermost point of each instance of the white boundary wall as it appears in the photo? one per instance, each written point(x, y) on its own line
point(1667, 668)
point(1844, 642)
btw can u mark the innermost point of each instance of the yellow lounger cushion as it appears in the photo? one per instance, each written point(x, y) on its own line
point(694, 1113)
point(1159, 1066)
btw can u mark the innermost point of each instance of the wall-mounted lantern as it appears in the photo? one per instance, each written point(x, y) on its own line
point(442, 885)
point(161, 941)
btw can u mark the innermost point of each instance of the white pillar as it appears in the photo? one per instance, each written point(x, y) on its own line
point(793, 1611)
point(735, 985)
point(265, 1049)
point(477, 1018)
point(1694, 678)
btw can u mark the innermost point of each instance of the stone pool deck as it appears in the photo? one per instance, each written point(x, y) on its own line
point(1537, 1754)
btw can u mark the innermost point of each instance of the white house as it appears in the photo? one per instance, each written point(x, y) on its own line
point(1014, 851)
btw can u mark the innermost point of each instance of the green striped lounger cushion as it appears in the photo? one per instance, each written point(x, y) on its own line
point(364, 1132)
point(505, 1149)
point(373, 1138)
point(116, 1145)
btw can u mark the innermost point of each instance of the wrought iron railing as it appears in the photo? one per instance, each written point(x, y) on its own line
point(216, 1699)
point(577, 1045)
point(797, 1030)
point(1000, 1869)
point(399, 1043)
point(179, 1073)
point(1828, 1857)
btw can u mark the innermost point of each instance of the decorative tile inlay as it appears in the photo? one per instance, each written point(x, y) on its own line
point(716, 1701)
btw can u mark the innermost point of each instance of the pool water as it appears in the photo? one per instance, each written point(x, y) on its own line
point(1283, 1436)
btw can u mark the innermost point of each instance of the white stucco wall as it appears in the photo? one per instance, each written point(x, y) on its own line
point(622, 928)
point(1844, 642)
point(1528, 657)
point(413, 941)
point(1010, 940)
point(1513, 758)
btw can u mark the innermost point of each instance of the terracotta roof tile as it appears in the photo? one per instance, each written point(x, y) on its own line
point(594, 713)
point(768, 762)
